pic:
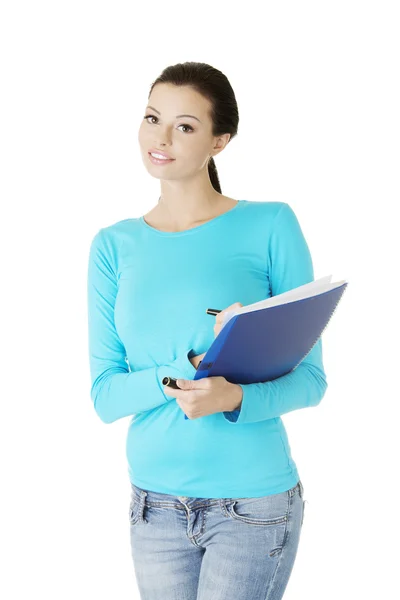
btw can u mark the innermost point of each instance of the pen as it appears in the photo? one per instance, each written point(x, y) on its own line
point(170, 382)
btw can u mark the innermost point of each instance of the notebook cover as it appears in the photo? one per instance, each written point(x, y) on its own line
point(265, 344)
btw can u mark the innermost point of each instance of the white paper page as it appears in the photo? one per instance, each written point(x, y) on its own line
point(303, 291)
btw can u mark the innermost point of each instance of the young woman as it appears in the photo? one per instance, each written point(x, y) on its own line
point(216, 502)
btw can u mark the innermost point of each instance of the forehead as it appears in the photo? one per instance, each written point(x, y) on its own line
point(171, 100)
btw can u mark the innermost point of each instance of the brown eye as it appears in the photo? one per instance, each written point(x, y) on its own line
point(189, 127)
point(150, 117)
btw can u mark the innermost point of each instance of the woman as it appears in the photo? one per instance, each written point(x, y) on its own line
point(216, 503)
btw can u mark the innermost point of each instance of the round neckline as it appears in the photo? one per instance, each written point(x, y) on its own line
point(192, 229)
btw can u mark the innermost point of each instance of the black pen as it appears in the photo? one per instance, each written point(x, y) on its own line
point(213, 311)
point(171, 381)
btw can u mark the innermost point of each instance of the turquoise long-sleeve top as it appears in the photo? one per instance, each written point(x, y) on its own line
point(148, 291)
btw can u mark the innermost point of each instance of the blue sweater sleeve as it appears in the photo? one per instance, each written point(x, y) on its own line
point(117, 391)
point(290, 265)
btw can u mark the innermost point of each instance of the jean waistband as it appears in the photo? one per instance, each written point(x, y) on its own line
point(160, 499)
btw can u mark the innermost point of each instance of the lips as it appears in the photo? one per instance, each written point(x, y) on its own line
point(154, 151)
point(161, 162)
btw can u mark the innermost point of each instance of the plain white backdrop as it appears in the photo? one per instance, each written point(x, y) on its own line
point(317, 85)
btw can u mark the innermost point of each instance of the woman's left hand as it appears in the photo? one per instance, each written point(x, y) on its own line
point(201, 397)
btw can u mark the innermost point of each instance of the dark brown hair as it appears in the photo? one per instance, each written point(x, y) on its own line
point(213, 85)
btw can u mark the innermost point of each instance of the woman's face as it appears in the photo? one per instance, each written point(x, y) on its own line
point(189, 141)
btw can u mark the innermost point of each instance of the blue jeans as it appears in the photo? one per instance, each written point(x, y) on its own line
point(214, 548)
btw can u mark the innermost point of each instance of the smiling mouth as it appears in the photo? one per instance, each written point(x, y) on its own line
point(159, 160)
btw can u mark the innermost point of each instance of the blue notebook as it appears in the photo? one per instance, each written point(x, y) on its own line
point(265, 340)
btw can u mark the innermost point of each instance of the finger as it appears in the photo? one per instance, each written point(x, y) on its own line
point(220, 316)
point(172, 392)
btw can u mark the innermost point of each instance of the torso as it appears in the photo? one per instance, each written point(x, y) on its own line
point(156, 220)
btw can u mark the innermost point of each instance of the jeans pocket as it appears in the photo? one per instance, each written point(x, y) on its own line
point(265, 511)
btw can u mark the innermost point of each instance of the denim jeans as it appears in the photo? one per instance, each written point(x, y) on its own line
point(214, 548)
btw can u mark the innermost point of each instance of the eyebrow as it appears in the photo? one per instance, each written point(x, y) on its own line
point(177, 116)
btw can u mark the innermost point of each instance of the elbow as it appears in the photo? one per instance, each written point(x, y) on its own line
point(105, 391)
point(320, 386)
point(99, 406)
point(103, 417)
point(316, 383)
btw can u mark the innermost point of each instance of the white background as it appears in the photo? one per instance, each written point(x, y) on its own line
point(317, 89)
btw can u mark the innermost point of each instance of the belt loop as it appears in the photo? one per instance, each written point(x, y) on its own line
point(223, 502)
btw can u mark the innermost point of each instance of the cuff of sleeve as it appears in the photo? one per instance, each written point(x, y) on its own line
point(239, 415)
point(180, 368)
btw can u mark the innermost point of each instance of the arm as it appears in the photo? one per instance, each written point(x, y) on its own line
point(290, 265)
point(115, 391)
